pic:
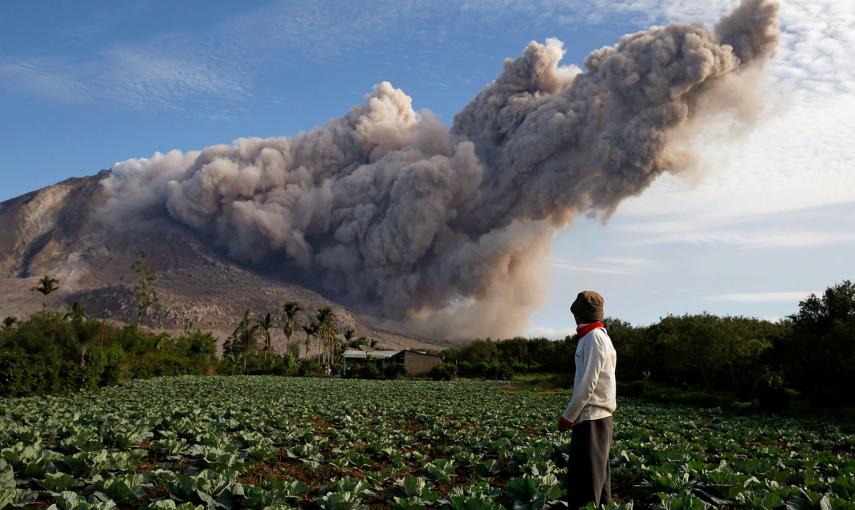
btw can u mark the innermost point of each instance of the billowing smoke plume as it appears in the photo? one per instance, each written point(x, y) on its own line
point(390, 212)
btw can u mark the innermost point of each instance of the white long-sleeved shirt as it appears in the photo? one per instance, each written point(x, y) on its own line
point(594, 392)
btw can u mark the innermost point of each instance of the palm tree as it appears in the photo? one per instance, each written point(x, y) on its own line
point(83, 345)
point(146, 294)
point(266, 324)
point(77, 314)
point(103, 330)
point(348, 335)
point(327, 333)
point(311, 330)
point(45, 287)
point(242, 339)
point(290, 309)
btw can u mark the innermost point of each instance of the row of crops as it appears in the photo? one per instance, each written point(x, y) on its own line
point(268, 442)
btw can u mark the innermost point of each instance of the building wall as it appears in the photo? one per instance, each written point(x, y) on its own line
point(419, 364)
point(380, 363)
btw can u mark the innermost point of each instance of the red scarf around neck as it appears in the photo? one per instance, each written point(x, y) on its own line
point(584, 329)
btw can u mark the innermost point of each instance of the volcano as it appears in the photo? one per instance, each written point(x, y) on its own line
point(441, 230)
point(57, 231)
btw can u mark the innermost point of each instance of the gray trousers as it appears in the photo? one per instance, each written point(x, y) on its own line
point(589, 474)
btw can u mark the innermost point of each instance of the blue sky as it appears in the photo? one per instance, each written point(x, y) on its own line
point(759, 224)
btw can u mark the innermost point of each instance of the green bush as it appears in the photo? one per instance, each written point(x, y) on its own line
point(443, 372)
point(257, 363)
point(51, 353)
point(364, 371)
point(818, 358)
point(394, 371)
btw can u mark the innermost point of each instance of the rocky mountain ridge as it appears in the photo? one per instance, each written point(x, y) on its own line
point(59, 230)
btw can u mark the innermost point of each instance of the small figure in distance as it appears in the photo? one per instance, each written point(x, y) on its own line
point(589, 413)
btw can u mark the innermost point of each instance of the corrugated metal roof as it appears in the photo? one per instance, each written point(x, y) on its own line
point(355, 354)
point(420, 353)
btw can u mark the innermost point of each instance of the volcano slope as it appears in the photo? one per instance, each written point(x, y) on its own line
point(57, 231)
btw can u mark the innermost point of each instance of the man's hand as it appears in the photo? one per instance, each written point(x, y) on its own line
point(564, 424)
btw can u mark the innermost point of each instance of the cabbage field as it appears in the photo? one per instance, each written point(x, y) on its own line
point(270, 442)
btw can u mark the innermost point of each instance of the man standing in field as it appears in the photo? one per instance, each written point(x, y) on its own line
point(589, 412)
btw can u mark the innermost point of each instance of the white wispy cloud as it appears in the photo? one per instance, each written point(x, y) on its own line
point(624, 266)
point(629, 262)
point(797, 158)
point(133, 76)
point(142, 77)
point(179, 68)
point(764, 297)
point(816, 36)
point(575, 268)
point(224, 59)
point(752, 239)
point(45, 77)
point(535, 331)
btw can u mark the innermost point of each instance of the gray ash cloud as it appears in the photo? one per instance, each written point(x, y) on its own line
point(447, 230)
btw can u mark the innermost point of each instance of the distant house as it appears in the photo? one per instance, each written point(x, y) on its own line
point(414, 362)
point(353, 357)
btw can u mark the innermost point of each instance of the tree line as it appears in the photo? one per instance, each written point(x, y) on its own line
point(249, 348)
point(807, 355)
point(57, 352)
point(60, 351)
